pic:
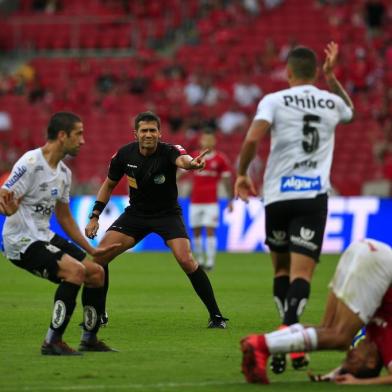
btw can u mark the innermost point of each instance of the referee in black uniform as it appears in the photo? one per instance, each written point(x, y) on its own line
point(150, 166)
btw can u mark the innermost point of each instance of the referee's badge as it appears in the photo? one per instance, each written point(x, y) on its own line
point(159, 179)
point(132, 182)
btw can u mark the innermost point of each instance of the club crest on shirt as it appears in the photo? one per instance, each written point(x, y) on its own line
point(159, 179)
point(54, 193)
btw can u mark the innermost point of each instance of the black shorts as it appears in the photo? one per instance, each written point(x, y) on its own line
point(297, 225)
point(168, 227)
point(41, 257)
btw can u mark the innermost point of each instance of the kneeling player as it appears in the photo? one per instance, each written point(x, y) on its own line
point(361, 294)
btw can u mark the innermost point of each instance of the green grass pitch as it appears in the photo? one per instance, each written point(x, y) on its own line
point(159, 325)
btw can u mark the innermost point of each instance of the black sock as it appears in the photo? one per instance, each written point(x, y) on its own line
point(93, 300)
point(297, 298)
point(280, 290)
point(203, 288)
point(64, 305)
point(106, 285)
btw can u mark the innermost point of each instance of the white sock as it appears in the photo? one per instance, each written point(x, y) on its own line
point(211, 251)
point(198, 249)
point(304, 339)
point(287, 331)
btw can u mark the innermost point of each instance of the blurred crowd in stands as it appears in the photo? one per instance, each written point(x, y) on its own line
point(215, 75)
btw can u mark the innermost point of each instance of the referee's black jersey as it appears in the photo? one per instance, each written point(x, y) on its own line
point(151, 179)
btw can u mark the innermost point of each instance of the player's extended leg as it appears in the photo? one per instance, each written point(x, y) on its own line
point(281, 284)
point(330, 311)
point(257, 348)
point(93, 300)
point(111, 237)
point(301, 272)
point(342, 330)
point(182, 252)
point(198, 245)
point(211, 246)
point(71, 275)
point(105, 316)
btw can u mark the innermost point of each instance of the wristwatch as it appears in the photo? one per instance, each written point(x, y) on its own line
point(93, 215)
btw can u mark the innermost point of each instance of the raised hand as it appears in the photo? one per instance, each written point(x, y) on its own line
point(331, 55)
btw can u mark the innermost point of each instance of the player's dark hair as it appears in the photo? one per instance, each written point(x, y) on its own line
point(303, 62)
point(365, 371)
point(147, 116)
point(61, 121)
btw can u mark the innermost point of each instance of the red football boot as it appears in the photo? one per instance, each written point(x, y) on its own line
point(255, 357)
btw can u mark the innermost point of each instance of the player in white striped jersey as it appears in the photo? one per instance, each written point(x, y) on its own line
point(301, 121)
point(37, 187)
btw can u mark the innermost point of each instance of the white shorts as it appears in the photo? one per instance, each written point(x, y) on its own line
point(362, 277)
point(203, 215)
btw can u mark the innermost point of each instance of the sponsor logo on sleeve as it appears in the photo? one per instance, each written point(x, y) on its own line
point(17, 174)
point(300, 184)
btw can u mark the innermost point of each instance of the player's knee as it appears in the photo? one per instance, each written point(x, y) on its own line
point(187, 263)
point(99, 276)
point(77, 274)
point(95, 275)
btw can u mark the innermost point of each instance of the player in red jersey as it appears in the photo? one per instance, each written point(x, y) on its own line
point(204, 208)
point(361, 294)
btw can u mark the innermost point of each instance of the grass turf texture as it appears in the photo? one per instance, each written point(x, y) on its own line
point(159, 325)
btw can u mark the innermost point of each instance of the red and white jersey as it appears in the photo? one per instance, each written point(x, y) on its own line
point(205, 182)
point(379, 329)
